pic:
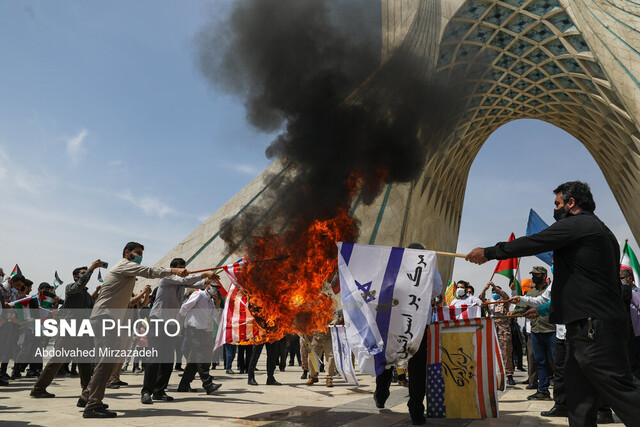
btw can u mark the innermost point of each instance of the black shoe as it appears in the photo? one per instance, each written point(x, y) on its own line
point(604, 417)
point(164, 397)
point(304, 375)
point(418, 420)
point(113, 385)
point(272, 381)
point(179, 367)
point(212, 388)
point(42, 394)
point(379, 402)
point(281, 369)
point(229, 371)
point(510, 380)
point(556, 411)
point(75, 374)
point(100, 412)
point(122, 383)
point(252, 381)
point(146, 399)
point(538, 395)
point(525, 382)
point(4, 376)
point(15, 374)
point(3, 383)
point(532, 387)
point(32, 374)
point(82, 403)
point(186, 389)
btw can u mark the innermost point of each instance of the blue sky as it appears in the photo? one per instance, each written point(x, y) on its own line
point(109, 133)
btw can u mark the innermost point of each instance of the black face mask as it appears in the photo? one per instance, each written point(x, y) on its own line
point(537, 280)
point(559, 214)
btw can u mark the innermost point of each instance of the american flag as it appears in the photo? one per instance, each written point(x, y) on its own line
point(463, 312)
point(485, 370)
point(237, 323)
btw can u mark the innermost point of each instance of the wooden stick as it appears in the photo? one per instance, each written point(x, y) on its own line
point(277, 258)
point(451, 254)
point(205, 269)
point(494, 302)
point(508, 316)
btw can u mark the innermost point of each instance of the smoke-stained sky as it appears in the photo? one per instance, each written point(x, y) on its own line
point(109, 133)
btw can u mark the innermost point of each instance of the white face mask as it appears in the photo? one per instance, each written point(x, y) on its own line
point(461, 292)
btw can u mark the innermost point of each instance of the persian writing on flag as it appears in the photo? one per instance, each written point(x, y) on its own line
point(342, 354)
point(630, 262)
point(457, 313)
point(463, 371)
point(24, 308)
point(386, 296)
point(535, 224)
point(57, 281)
point(237, 324)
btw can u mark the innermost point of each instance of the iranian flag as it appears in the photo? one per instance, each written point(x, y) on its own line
point(16, 270)
point(508, 268)
point(23, 308)
point(630, 262)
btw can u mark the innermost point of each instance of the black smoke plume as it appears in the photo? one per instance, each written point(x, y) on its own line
point(311, 70)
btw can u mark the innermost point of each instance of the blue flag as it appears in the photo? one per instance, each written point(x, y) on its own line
point(535, 224)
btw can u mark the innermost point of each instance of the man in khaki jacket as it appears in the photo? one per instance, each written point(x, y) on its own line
point(112, 302)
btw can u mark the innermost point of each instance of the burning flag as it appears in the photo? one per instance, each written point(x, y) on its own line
point(237, 324)
point(386, 297)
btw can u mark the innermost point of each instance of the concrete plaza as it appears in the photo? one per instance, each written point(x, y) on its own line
point(237, 403)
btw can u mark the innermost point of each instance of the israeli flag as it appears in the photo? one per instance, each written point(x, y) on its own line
point(386, 297)
point(342, 354)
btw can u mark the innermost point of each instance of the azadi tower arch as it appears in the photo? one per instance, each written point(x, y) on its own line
point(574, 64)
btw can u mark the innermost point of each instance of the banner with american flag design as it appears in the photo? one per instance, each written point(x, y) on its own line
point(237, 323)
point(459, 313)
point(463, 372)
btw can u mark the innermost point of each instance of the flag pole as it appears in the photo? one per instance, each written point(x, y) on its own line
point(451, 254)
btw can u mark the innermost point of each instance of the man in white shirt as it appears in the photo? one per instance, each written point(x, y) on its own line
point(198, 312)
point(462, 298)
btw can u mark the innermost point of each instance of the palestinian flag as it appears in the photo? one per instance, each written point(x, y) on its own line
point(100, 277)
point(450, 293)
point(23, 308)
point(508, 268)
point(630, 262)
point(46, 301)
point(56, 281)
point(16, 270)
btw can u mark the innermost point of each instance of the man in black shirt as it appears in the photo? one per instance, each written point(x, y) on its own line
point(586, 297)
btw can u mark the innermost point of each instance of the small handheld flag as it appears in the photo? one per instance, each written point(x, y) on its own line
point(56, 280)
point(16, 270)
point(630, 262)
point(100, 277)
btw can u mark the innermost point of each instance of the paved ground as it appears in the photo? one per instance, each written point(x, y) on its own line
point(237, 403)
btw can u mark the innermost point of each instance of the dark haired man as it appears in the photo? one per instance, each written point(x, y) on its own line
point(9, 332)
point(112, 301)
point(166, 305)
point(586, 297)
point(77, 299)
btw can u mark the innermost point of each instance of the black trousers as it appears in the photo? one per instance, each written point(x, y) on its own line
point(273, 354)
point(418, 380)
point(244, 357)
point(559, 388)
point(516, 344)
point(199, 358)
point(157, 375)
point(599, 368)
point(383, 383)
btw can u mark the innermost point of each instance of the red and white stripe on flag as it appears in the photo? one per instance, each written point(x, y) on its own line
point(237, 323)
point(463, 312)
point(489, 375)
point(233, 271)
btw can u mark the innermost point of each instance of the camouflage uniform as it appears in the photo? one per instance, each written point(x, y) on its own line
point(503, 330)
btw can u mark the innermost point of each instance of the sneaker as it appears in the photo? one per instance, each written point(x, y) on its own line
point(538, 395)
point(146, 399)
point(100, 412)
